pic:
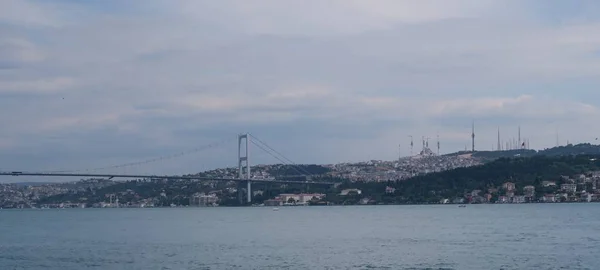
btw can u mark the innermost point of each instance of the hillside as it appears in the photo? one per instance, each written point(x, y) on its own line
point(456, 183)
point(567, 150)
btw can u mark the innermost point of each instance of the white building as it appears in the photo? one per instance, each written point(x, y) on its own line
point(529, 191)
point(201, 199)
point(548, 183)
point(508, 186)
point(345, 192)
point(571, 188)
point(518, 199)
point(302, 198)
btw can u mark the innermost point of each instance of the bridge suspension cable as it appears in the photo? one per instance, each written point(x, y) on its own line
point(162, 158)
point(279, 156)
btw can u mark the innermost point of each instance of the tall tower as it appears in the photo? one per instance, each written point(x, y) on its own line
point(473, 136)
point(438, 144)
point(399, 152)
point(244, 160)
point(499, 146)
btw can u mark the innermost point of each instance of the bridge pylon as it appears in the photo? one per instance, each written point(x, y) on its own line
point(244, 160)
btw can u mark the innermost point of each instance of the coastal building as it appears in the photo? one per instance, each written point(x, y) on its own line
point(508, 186)
point(503, 199)
point(586, 197)
point(302, 198)
point(548, 183)
point(529, 191)
point(570, 188)
point(345, 192)
point(549, 198)
point(518, 199)
point(202, 199)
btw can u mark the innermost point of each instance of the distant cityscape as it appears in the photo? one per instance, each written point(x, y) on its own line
point(29, 196)
point(103, 193)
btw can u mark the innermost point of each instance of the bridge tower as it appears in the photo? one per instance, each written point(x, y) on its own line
point(244, 160)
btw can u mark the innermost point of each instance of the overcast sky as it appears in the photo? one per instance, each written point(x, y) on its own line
point(87, 84)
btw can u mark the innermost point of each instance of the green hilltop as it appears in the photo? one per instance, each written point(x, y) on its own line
point(566, 150)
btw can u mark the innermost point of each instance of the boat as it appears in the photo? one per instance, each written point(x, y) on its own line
point(462, 205)
point(275, 209)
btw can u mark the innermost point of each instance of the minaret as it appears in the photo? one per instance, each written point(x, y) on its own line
point(473, 136)
point(411, 144)
point(499, 146)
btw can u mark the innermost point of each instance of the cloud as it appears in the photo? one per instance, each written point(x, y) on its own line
point(50, 85)
point(15, 52)
point(27, 13)
point(329, 17)
point(322, 81)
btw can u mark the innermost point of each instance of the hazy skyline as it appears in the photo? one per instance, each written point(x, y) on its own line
point(88, 84)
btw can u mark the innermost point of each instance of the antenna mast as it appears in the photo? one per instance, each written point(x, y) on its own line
point(499, 146)
point(473, 136)
point(438, 144)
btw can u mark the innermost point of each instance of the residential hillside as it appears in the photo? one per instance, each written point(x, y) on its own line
point(488, 181)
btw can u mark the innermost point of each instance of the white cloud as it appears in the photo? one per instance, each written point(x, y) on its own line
point(41, 86)
point(28, 13)
point(353, 72)
point(330, 17)
point(17, 51)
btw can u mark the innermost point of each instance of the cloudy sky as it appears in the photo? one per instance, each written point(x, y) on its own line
point(86, 84)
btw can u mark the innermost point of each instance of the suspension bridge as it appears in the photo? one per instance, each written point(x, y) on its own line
point(244, 177)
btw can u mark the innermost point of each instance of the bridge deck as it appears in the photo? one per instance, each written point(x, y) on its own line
point(159, 177)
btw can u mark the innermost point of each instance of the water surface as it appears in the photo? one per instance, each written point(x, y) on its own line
point(528, 236)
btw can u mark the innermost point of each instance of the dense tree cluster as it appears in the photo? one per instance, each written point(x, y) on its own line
point(566, 150)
